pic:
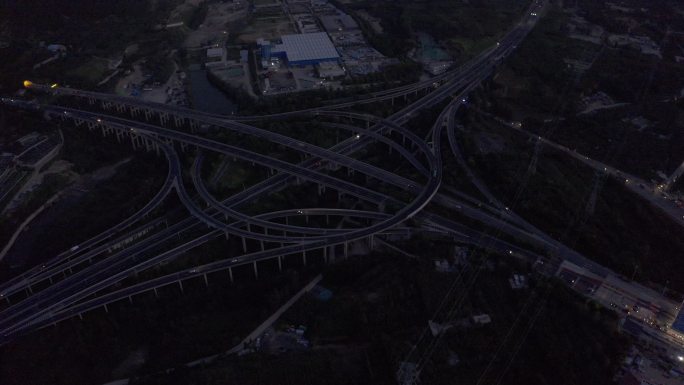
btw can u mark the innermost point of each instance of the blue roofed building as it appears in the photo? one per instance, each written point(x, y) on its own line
point(306, 49)
point(678, 323)
point(321, 293)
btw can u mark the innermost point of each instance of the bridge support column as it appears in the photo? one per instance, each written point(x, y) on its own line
point(262, 245)
point(227, 234)
point(180, 283)
point(304, 257)
point(325, 254)
point(106, 308)
point(244, 245)
point(133, 142)
point(280, 263)
point(345, 250)
point(230, 273)
point(80, 316)
point(130, 299)
point(156, 295)
point(206, 281)
point(256, 272)
point(163, 118)
point(8, 300)
point(370, 242)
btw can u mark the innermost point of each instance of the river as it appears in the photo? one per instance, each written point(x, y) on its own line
point(205, 97)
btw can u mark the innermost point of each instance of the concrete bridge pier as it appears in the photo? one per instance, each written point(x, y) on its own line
point(206, 280)
point(280, 263)
point(155, 292)
point(304, 257)
point(106, 308)
point(325, 254)
point(256, 272)
point(244, 245)
point(130, 299)
point(80, 316)
point(346, 247)
point(262, 245)
point(230, 273)
point(178, 121)
point(180, 283)
point(370, 242)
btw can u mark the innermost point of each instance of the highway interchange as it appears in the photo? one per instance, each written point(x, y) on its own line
point(89, 275)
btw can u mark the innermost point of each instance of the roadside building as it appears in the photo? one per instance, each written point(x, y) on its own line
point(482, 319)
point(214, 53)
point(678, 324)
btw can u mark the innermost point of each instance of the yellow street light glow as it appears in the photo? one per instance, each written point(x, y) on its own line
point(27, 83)
point(54, 85)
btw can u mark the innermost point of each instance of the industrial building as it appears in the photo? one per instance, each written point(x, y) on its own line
point(338, 23)
point(302, 49)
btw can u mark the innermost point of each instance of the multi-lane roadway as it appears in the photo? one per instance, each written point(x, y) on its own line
point(97, 270)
